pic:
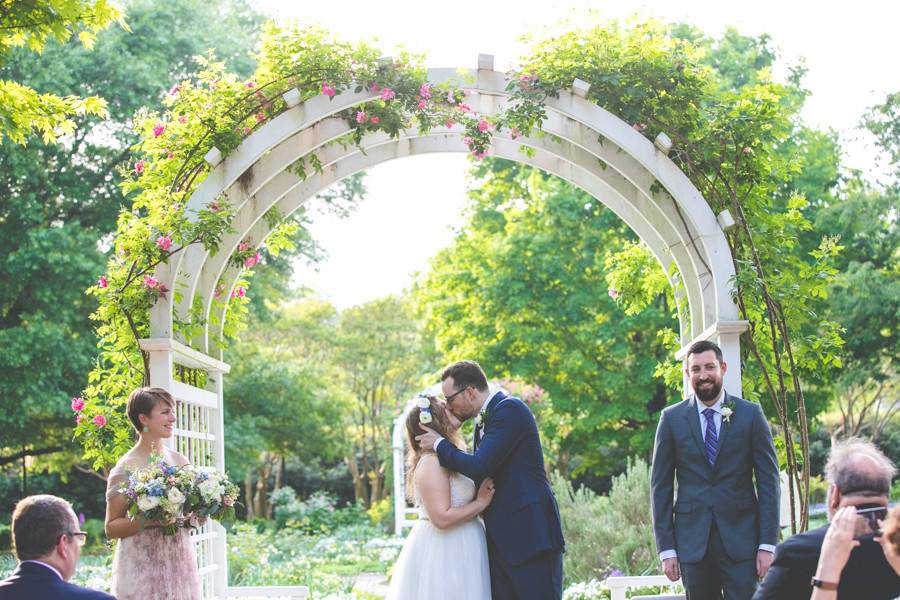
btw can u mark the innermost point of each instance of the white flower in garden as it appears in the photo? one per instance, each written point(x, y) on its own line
point(146, 503)
point(175, 496)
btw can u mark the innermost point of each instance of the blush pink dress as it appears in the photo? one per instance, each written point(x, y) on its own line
point(149, 565)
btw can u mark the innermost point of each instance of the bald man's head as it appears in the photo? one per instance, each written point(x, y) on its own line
point(858, 468)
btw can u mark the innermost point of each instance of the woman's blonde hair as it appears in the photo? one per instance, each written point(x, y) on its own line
point(440, 424)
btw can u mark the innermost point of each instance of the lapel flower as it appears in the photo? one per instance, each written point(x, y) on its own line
point(482, 419)
point(727, 410)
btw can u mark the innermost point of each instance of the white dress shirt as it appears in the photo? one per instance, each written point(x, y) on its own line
point(484, 406)
point(717, 419)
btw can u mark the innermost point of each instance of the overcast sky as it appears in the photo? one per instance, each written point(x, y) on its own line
point(413, 204)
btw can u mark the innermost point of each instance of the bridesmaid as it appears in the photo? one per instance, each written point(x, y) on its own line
point(148, 565)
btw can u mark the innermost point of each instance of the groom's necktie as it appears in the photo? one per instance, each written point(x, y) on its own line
point(477, 436)
point(712, 438)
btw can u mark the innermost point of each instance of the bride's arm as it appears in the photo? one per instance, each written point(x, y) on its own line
point(433, 482)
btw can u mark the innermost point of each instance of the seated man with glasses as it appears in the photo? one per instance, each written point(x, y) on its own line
point(47, 543)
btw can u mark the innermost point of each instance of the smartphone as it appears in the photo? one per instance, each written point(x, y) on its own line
point(867, 520)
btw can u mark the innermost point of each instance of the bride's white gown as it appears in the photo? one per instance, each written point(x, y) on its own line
point(444, 564)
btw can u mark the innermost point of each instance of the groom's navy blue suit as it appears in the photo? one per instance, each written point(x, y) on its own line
point(524, 535)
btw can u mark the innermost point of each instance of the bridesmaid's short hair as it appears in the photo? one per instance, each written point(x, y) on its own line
point(466, 373)
point(143, 400)
point(38, 522)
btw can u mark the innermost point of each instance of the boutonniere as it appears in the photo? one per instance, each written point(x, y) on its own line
point(727, 411)
point(482, 419)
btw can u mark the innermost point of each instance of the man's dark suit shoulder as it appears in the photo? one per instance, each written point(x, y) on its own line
point(30, 582)
point(867, 574)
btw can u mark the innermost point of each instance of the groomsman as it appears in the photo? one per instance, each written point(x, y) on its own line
point(719, 533)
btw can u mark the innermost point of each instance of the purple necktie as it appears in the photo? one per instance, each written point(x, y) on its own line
point(712, 439)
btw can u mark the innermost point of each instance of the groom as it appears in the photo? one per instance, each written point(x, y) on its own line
point(524, 536)
point(719, 535)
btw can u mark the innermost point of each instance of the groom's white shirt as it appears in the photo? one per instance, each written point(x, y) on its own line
point(487, 401)
point(717, 418)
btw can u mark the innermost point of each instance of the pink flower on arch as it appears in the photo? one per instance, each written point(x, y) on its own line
point(103, 282)
point(328, 89)
point(260, 117)
point(150, 281)
point(243, 246)
point(169, 153)
point(183, 119)
point(421, 104)
point(467, 141)
point(451, 97)
point(174, 90)
point(139, 166)
point(78, 404)
point(252, 260)
point(613, 293)
point(220, 289)
point(100, 421)
point(388, 94)
point(373, 88)
point(164, 242)
point(464, 107)
point(514, 132)
point(639, 126)
point(479, 155)
point(483, 125)
point(425, 91)
point(214, 206)
point(250, 85)
point(159, 129)
point(448, 123)
point(79, 419)
point(240, 292)
point(360, 117)
point(376, 120)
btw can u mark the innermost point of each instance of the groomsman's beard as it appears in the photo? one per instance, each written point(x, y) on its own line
point(708, 393)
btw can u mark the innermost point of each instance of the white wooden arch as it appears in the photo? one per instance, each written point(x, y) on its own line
point(587, 146)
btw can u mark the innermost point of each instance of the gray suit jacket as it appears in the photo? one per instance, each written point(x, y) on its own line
point(725, 492)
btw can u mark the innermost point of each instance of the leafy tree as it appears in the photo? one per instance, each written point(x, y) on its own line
point(523, 289)
point(32, 24)
point(59, 202)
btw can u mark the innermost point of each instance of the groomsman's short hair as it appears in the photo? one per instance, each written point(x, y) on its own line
point(38, 522)
point(858, 468)
point(466, 373)
point(706, 346)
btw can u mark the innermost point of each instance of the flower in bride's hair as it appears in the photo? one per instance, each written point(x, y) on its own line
point(423, 402)
point(425, 416)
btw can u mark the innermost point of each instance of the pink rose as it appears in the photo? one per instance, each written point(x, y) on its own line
point(425, 91)
point(360, 116)
point(639, 126)
point(260, 117)
point(448, 123)
point(150, 282)
point(240, 292)
point(376, 120)
point(78, 404)
point(246, 130)
point(467, 141)
point(479, 155)
point(243, 247)
point(514, 132)
point(524, 78)
point(103, 282)
point(613, 293)
point(169, 153)
point(220, 289)
point(100, 421)
point(139, 166)
point(421, 104)
point(464, 107)
point(214, 206)
point(373, 88)
point(387, 94)
point(183, 119)
point(173, 91)
point(250, 85)
point(79, 419)
point(328, 89)
point(164, 242)
point(159, 129)
point(483, 125)
point(252, 260)
point(746, 150)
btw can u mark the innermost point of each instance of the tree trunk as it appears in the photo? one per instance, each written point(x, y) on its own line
point(248, 493)
point(359, 484)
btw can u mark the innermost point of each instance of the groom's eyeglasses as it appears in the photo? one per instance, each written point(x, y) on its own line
point(455, 394)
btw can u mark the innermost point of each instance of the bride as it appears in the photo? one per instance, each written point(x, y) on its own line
point(445, 556)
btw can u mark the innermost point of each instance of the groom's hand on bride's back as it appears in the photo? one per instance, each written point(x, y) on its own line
point(426, 440)
point(486, 493)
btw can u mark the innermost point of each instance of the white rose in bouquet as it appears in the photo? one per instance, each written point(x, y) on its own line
point(211, 489)
point(175, 496)
point(146, 503)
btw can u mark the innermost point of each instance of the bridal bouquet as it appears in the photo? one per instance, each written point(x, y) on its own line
point(158, 492)
point(213, 495)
